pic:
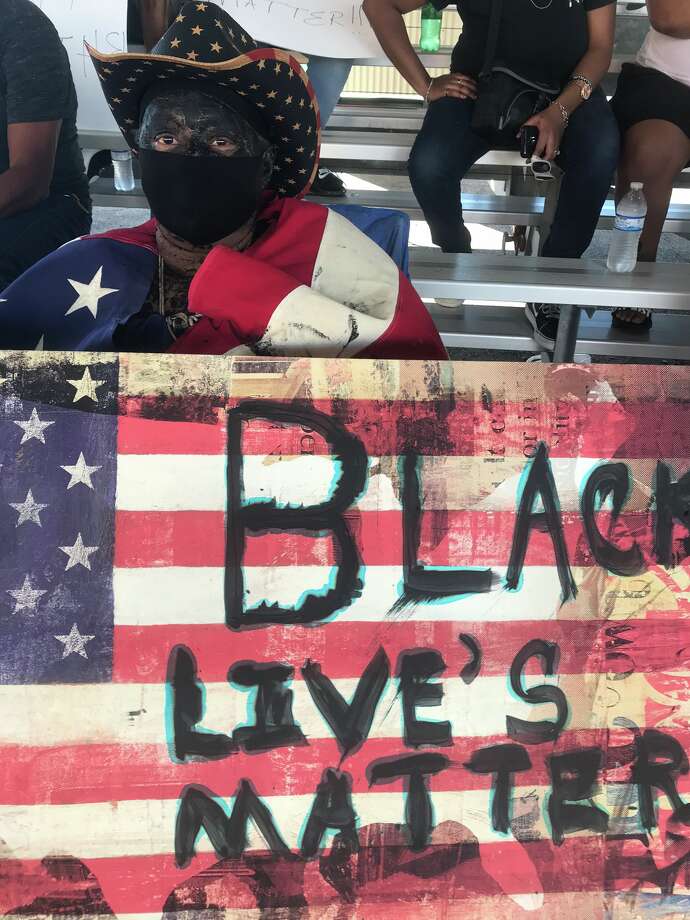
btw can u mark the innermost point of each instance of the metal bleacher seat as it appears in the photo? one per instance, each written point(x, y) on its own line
point(572, 282)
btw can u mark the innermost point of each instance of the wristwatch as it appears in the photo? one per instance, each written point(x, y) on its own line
point(586, 85)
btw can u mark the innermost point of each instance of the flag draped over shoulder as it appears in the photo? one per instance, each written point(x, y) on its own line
point(312, 284)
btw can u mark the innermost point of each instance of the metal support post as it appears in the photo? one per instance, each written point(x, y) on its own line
point(566, 338)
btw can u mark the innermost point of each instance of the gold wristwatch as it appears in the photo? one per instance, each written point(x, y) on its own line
point(586, 85)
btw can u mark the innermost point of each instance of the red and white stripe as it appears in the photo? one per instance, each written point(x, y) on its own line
point(85, 771)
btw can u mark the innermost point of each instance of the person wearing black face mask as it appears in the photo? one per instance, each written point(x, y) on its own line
point(226, 134)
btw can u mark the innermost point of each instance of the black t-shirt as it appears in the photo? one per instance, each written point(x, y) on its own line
point(542, 40)
point(36, 85)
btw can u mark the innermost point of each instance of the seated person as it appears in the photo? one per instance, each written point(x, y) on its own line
point(44, 196)
point(228, 265)
point(147, 20)
point(563, 44)
point(652, 104)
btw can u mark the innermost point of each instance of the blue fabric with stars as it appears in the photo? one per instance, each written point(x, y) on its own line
point(57, 525)
point(75, 298)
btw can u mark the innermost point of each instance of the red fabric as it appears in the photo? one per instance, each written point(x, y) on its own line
point(237, 292)
point(144, 235)
point(412, 335)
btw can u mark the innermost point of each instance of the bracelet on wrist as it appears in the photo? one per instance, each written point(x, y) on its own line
point(428, 90)
point(564, 113)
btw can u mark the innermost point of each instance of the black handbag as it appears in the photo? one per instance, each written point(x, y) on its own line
point(505, 100)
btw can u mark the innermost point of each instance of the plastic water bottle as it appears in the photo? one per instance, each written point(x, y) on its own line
point(430, 39)
point(122, 168)
point(630, 217)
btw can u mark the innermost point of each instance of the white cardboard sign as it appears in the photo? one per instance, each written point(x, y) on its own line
point(334, 28)
point(103, 24)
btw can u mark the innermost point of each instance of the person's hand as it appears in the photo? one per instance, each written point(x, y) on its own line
point(455, 85)
point(551, 128)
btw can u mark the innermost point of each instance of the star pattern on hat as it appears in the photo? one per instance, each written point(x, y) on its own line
point(205, 43)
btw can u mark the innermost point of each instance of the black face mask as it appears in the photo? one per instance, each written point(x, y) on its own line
point(201, 199)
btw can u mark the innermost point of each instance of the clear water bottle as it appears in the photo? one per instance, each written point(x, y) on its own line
point(631, 212)
point(430, 39)
point(122, 168)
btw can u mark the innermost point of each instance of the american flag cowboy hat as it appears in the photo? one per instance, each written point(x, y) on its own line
point(205, 45)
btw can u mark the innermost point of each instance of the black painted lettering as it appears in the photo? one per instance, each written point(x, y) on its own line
point(332, 809)
point(501, 760)
point(421, 584)
point(188, 741)
point(672, 504)
point(350, 723)
point(275, 726)
point(198, 809)
point(609, 479)
point(268, 517)
point(474, 665)
point(573, 779)
point(544, 730)
point(414, 768)
point(540, 483)
point(415, 670)
point(660, 759)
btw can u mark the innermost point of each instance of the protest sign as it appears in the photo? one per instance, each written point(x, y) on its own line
point(336, 29)
point(103, 25)
point(342, 638)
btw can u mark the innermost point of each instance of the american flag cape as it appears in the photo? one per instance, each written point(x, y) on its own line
point(114, 534)
point(312, 284)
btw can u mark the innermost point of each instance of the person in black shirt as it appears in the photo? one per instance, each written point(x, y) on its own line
point(549, 42)
point(44, 196)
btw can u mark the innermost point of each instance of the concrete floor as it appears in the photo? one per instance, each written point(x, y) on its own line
point(673, 249)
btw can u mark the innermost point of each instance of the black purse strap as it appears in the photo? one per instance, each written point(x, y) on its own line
point(492, 37)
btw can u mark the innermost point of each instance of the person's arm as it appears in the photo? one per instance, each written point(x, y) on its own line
point(672, 17)
point(154, 20)
point(386, 19)
point(32, 150)
point(39, 94)
point(594, 65)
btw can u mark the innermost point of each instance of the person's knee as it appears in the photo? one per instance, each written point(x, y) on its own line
point(427, 161)
point(645, 160)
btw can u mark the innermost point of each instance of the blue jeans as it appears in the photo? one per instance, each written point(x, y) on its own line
point(328, 77)
point(446, 148)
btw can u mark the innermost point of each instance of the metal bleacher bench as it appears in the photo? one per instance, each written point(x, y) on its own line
point(575, 283)
point(491, 210)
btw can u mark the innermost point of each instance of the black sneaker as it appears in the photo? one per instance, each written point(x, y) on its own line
point(543, 318)
point(328, 185)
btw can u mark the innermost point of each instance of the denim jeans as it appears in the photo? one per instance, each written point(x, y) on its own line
point(446, 148)
point(328, 77)
point(30, 235)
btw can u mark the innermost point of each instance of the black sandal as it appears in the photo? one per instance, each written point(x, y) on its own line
point(619, 322)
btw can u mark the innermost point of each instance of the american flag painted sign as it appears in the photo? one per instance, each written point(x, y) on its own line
point(331, 639)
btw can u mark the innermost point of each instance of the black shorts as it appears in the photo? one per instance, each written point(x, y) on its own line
point(644, 94)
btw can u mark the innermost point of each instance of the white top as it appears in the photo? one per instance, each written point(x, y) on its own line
point(667, 54)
